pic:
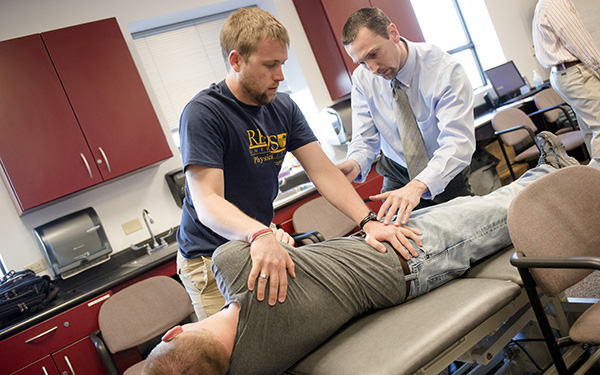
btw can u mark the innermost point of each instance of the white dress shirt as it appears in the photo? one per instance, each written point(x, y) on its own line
point(559, 35)
point(441, 98)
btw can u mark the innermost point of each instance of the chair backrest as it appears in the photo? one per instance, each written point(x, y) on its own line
point(319, 215)
point(509, 118)
point(557, 216)
point(143, 311)
point(548, 98)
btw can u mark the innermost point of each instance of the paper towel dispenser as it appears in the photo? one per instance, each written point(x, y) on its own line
point(340, 117)
point(176, 182)
point(74, 243)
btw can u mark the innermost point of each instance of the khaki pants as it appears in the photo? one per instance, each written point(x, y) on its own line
point(579, 86)
point(200, 283)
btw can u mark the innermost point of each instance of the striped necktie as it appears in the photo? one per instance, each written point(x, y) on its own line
point(415, 153)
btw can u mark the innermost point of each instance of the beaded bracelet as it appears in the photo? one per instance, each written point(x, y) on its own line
point(259, 233)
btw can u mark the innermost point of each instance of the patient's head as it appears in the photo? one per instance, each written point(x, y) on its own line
point(193, 352)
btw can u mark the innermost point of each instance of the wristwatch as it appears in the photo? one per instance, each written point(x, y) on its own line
point(372, 216)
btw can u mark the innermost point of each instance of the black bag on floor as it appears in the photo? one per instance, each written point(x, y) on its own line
point(23, 293)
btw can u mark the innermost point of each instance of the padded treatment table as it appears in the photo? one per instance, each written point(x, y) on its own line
point(428, 333)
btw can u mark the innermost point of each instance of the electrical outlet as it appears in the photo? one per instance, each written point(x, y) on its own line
point(37, 267)
point(132, 226)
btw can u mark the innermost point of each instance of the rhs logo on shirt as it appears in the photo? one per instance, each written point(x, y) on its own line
point(264, 149)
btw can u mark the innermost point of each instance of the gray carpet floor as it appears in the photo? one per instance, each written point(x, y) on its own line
point(586, 288)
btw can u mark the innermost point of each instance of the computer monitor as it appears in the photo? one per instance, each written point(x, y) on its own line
point(506, 80)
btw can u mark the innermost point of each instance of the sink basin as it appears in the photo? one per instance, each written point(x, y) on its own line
point(152, 257)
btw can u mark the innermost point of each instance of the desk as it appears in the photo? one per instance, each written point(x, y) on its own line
point(484, 132)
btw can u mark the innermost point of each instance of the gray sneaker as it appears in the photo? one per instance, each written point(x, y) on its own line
point(552, 151)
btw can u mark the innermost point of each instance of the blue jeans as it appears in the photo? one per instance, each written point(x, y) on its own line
point(462, 231)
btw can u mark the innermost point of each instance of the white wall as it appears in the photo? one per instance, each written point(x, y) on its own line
point(512, 21)
point(589, 10)
point(123, 200)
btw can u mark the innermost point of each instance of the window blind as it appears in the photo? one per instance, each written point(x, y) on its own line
point(181, 60)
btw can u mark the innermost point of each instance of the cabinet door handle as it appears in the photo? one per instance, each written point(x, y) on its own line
point(105, 158)
point(41, 334)
point(87, 165)
point(69, 364)
point(44, 369)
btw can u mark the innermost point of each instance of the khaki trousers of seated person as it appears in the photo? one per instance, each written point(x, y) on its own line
point(200, 283)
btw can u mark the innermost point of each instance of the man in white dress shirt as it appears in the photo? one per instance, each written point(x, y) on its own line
point(562, 43)
point(441, 98)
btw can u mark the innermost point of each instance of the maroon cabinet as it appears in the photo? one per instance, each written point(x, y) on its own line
point(60, 343)
point(81, 357)
point(323, 21)
point(108, 97)
point(43, 151)
point(75, 113)
point(44, 366)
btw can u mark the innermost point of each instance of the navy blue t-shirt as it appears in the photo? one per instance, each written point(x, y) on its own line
point(248, 143)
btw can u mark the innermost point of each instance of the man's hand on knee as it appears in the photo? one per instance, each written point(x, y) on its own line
point(400, 202)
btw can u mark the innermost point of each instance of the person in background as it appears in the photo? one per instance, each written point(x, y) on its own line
point(563, 44)
point(441, 98)
point(234, 137)
point(337, 280)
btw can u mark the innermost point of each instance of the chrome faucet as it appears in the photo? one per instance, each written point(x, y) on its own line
point(146, 215)
point(155, 244)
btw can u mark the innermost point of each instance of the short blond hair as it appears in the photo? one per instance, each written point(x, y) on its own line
point(190, 353)
point(246, 27)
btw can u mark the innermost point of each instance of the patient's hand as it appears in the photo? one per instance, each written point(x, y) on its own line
point(283, 236)
point(271, 259)
point(398, 237)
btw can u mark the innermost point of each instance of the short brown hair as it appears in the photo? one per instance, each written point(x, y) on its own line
point(372, 18)
point(246, 27)
point(190, 353)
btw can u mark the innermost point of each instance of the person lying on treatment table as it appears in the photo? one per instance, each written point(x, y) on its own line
point(337, 280)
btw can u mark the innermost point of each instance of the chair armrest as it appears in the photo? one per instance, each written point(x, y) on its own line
point(104, 353)
point(314, 236)
point(519, 260)
point(520, 127)
point(557, 106)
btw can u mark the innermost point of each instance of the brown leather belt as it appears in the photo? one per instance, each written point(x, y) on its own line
point(403, 263)
point(565, 65)
point(406, 271)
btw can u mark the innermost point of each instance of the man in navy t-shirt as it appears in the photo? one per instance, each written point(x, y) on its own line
point(234, 137)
